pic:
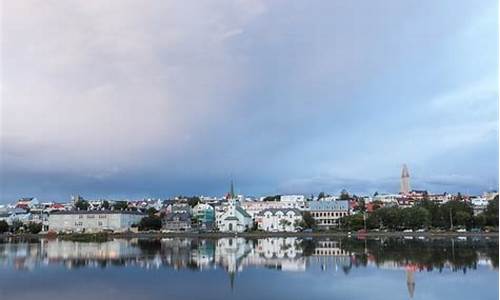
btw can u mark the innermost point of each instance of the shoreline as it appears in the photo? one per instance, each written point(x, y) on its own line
point(257, 235)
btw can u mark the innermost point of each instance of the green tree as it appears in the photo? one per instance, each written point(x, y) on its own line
point(82, 204)
point(4, 226)
point(150, 223)
point(272, 198)
point(34, 228)
point(193, 201)
point(308, 220)
point(491, 212)
point(352, 222)
point(344, 195)
point(361, 206)
point(416, 217)
point(16, 226)
point(120, 205)
point(105, 204)
point(151, 211)
point(458, 212)
point(321, 195)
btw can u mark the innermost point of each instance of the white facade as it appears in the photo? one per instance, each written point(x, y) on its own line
point(234, 218)
point(387, 198)
point(279, 220)
point(93, 221)
point(255, 207)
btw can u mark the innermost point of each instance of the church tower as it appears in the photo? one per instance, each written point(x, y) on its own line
point(405, 181)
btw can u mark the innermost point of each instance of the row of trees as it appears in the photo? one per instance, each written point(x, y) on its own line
point(82, 204)
point(425, 214)
point(18, 226)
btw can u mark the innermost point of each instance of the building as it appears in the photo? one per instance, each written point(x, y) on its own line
point(93, 220)
point(405, 180)
point(279, 220)
point(177, 221)
point(285, 202)
point(234, 218)
point(205, 215)
point(328, 213)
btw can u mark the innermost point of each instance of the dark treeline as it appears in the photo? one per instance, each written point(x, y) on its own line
point(425, 214)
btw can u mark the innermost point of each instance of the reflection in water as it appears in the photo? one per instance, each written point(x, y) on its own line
point(234, 255)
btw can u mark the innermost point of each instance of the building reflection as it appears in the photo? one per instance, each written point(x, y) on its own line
point(234, 255)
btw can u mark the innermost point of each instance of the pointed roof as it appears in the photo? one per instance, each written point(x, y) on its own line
point(404, 172)
point(231, 190)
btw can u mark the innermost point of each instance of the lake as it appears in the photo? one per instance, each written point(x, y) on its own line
point(237, 268)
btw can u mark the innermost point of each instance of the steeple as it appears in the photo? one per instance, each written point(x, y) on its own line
point(231, 190)
point(405, 181)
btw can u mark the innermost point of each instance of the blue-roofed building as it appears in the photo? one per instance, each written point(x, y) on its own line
point(328, 213)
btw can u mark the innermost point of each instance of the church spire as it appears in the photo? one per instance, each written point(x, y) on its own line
point(405, 180)
point(231, 191)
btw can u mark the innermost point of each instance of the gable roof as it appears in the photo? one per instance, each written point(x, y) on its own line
point(243, 212)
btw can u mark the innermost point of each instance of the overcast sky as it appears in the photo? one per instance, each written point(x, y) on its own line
point(158, 98)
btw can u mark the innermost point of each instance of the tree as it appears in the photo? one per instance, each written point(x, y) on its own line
point(105, 204)
point(458, 212)
point(120, 205)
point(150, 223)
point(491, 212)
point(151, 211)
point(193, 201)
point(360, 206)
point(16, 226)
point(353, 222)
point(344, 195)
point(34, 228)
point(415, 217)
point(272, 198)
point(321, 195)
point(308, 220)
point(82, 204)
point(4, 226)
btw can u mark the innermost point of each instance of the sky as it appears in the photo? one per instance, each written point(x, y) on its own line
point(132, 99)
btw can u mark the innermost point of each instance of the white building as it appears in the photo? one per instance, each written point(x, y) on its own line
point(286, 202)
point(93, 220)
point(328, 213)
point(279, 220)
point(387, 198)
point(234, 218)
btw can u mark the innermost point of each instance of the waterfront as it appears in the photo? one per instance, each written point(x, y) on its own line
point(238, 268)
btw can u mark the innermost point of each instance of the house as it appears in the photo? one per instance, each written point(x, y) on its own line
point(275, 220)
point(286, 202)
point(176, 221)
point(93, 220)
point(13, 215)
point(234, 218)
point(328, 213)
point(205, 215)
point(27, 203)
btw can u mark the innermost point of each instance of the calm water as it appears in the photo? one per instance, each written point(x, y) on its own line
point(235, 268)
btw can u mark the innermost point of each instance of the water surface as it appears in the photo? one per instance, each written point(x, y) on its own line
point(238, 268)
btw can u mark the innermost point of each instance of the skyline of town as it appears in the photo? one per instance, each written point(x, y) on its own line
point(405, 187)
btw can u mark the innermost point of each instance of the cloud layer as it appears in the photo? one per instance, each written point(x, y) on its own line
point(132, 99)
